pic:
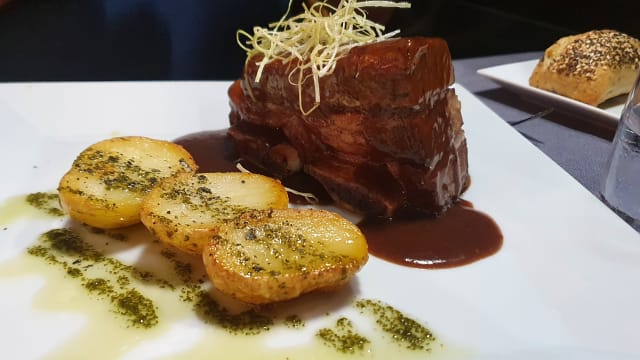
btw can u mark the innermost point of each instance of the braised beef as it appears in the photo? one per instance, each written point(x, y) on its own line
point(386, 139)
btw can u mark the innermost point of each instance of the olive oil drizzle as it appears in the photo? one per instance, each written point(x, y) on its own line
point(66, 250)
point(404, 331)
point(46, 201)
point(343, 337)
point(119, 286)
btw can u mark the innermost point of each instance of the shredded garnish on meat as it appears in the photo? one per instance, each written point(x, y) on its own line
point(311, 198)
point(315, 39)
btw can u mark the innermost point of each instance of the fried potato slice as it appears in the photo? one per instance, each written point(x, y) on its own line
point(269, 256)
point(187, 210)
point(107, 181)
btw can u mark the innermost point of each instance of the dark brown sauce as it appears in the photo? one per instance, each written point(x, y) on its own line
point(213, 151)
point(460, 236)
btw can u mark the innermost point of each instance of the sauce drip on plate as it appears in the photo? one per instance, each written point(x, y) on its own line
point(460, 236)
point(213, 151)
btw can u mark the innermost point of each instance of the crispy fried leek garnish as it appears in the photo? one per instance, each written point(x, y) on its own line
point(310, 197)
point(316, 39)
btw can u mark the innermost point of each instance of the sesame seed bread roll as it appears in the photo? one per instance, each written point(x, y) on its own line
point(590, 67)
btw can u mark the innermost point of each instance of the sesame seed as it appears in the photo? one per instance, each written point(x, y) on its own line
point(597, 49)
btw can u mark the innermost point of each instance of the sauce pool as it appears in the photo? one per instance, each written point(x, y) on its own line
point(213, 151)
point(458, 237)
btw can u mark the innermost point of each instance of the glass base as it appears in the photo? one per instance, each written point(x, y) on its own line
point(635, 223)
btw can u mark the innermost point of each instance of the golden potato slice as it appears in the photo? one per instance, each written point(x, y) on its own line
point(269, 256)
point(107, 181)
point(186, 211)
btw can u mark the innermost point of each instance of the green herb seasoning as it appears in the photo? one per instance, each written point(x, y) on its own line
point(118, 236)
point(116, 171)
point(48, 202)
point(98, 286)
point(202, 198)
point(294, 322)
point(68, 242)
point(191, 286)
point(183, 269)
point(343, 337)
point(404, 331)
point(248, 322)
point(138, 309)
point(110, 280)
point(66, 249)
point(283, 246)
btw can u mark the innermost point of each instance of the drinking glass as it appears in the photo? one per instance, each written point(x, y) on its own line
point(621, 186)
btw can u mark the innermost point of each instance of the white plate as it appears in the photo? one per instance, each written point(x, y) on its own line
point(515, 76)
point(562, 287)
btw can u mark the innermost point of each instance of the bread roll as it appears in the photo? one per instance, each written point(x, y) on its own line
point(590, 67)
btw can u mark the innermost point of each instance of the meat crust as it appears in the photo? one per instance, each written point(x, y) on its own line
point(386, 139)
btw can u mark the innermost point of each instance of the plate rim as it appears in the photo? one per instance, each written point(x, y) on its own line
point(493, 73)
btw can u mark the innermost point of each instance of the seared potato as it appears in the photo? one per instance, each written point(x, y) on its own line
point(187, 210)
point(107, 181)
point(275, 255)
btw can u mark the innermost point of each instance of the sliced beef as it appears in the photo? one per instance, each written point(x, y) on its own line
point(386, 140)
